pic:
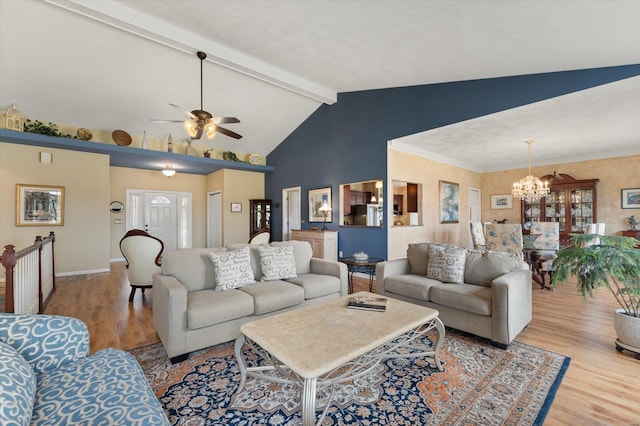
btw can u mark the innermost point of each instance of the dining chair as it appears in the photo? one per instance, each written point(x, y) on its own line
point(263, 236)
point(477, 235)
point(143, 254)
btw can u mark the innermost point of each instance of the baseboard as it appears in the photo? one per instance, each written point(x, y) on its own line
point(118, 259)
point(88, 271)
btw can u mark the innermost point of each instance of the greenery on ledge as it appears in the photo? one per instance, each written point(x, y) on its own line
point(51, 129)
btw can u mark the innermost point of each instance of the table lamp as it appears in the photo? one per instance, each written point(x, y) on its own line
point(325, 209)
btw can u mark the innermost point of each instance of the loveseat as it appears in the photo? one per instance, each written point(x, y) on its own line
point(48, 377)
point(485, 293)
point(203, 296)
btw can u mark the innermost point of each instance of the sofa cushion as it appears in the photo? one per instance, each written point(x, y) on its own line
point(191, 267)
point(465, 297)
point(410, 285)
point(107, 388)
point(481, 268)
point(232, 269)
point(446, 263)
point(277, 263)
point(209, 307)
point(302, 252)
point(316, 285)
point(17, 387)
point(254, 257)
point(269, 296)
point(418, 255)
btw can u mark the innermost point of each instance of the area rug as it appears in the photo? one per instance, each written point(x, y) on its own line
point(481, 384)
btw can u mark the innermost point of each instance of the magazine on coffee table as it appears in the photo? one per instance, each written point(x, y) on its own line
point(368, 303)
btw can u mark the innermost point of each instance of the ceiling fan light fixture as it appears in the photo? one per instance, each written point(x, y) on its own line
point(192, 128)
point(210, 130)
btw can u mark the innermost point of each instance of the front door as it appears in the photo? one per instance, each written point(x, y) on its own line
point(160, 218)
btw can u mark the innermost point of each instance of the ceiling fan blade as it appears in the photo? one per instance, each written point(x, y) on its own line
point(156, 120)
point(219, 120)
point(228, 132)
point(179, 108)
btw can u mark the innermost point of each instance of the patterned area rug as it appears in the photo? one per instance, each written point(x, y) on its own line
point(480, 385)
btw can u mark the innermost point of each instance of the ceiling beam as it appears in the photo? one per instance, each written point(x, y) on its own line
point(124, 18)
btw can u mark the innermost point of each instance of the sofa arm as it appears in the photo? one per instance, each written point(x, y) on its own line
point(390, 268)
point(335, 269)
point(170, 313)
point(511, 305)
point(45, 341)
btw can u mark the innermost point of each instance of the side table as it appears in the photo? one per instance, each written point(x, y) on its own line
point(359, 265)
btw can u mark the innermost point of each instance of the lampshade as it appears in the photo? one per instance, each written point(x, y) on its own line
point(168, 171)
point(210, 130)
point(324, 208)
point(191, 127)
point(529, 188)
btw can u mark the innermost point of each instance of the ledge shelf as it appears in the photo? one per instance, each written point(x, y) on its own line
point(137, 158)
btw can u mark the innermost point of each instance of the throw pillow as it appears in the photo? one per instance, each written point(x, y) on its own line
point(417, 253)
point(481, 268)
point(446, 263)
point(277, 263)
point(231, 269)
point(18, 388)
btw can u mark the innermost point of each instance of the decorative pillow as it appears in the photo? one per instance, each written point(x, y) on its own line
point(231, 269)
point(17, 387)
point(446, 263)
point(481, 268)
point(418, 256)
point(277, 263)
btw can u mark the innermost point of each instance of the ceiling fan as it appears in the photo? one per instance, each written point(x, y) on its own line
point(202, 121)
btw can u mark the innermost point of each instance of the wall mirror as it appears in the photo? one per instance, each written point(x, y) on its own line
point(407, 198)
point(361, 203)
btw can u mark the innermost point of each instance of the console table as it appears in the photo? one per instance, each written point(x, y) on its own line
point(323, 243)
point(635, 233)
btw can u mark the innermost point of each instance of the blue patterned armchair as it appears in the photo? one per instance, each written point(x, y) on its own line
point(48, 377)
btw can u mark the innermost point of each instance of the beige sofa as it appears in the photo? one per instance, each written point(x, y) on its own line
point(189, 314)
point(493, 301)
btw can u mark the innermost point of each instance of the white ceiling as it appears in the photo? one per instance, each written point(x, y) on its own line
point(116, 64)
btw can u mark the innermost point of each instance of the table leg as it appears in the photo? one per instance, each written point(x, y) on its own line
point(308, 402)
point(371, 272)
point(350, 271)
point(241, 363)
point(436, 355)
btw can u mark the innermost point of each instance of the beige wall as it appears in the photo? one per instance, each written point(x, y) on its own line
point(123, 178)
point(82, 244)
point(412, 168)
point(237, 187)
point(614, 174)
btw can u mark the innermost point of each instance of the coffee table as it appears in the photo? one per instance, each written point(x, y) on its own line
point(322, 345)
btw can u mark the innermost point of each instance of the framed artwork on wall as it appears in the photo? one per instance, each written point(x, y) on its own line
point(501, 201)
point(449, 202)
point(236, 207)
point(630, 198)
point(317, 197)
point(39, 205)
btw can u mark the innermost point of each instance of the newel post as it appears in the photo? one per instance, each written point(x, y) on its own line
point(9, 261)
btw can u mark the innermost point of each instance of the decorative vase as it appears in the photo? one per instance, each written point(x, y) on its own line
point(628, 331)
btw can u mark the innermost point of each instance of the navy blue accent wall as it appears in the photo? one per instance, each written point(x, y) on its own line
point(346, 142)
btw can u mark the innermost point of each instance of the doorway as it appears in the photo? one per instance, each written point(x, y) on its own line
point(291, 218)
point(475, 209)
point(165, 215)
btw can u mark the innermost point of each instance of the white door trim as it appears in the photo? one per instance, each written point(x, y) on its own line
point(285, 209)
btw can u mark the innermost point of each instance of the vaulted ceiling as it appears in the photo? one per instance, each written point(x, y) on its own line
point(116, 64)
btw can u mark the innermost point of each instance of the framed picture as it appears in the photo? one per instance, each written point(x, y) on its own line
point(502, 201)
point(316, 198)
point(630, 198)
point(236, 207)
point(449, 202)
point(39, 205)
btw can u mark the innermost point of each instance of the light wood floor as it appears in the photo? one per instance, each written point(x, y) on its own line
point(601, 386)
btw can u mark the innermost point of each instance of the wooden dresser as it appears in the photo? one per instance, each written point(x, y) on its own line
point(323, 243)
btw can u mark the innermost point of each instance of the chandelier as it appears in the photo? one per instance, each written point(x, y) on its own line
point(529, 188)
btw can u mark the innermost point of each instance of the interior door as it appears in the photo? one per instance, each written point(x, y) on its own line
point(291, 218)
point(214, 223)
point(160, 218)
point(475, 209)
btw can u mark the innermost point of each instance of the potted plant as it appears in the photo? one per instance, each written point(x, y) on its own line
point(612, 263)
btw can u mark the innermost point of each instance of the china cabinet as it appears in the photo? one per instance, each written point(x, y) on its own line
point(260, 214)
point(571, 202)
